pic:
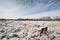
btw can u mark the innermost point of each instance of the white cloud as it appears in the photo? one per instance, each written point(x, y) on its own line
point(10, 9)
point(49, 13)
point(11, 14)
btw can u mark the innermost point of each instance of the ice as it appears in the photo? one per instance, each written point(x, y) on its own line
point(28, 30)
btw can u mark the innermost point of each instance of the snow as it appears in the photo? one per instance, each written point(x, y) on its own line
point(28, 30)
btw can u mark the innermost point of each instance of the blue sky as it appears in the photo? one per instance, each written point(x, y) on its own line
point(17, 9)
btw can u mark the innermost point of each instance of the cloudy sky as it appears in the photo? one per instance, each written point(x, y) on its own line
point(29, 8)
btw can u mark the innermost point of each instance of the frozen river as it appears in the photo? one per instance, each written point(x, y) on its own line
point(28, 30)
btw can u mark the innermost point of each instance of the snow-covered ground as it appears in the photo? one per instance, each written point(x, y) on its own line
point(28, 30)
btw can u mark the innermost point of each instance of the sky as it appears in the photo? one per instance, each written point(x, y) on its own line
point(27, 9)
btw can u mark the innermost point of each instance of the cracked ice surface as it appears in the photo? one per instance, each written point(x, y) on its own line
point(28, 30)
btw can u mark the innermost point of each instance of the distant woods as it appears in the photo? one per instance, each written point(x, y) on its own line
point(32, 19)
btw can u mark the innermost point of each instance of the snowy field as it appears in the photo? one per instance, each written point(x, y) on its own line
point(28, 30)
